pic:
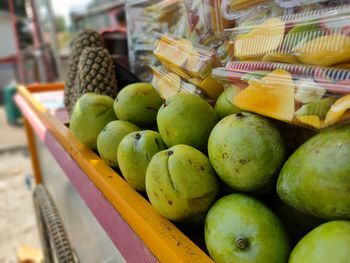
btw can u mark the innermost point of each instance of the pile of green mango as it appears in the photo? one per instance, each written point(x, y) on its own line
point(228, 172)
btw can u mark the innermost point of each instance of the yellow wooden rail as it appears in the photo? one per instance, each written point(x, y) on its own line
point(165, 241)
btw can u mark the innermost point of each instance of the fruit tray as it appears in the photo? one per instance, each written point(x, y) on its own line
point(168, 83)
point(192, 62)
point(319, 38)
point(139, 232)
point(314, 97)
point(206, 23)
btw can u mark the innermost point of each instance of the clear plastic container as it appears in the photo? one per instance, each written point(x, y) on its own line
point(145, 17)
point(314, 97)
point(206, 23)
point(234, 9)
point(169, 83)
point(320, 38)
point(225, 52)
point(192, 62)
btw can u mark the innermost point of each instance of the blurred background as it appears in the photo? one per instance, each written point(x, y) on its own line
point(34, 48)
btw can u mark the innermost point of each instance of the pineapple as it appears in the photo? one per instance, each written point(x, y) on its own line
point(86, 38)
point(95, 73)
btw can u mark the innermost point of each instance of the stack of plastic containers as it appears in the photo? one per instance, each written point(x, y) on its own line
point(206, 22)
point(145, 17)
point(294, 68)
point(190, 65)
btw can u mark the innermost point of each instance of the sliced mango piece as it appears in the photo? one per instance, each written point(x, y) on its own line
point(272, 96)
point(169, 85)
point(263, 39)
point(281, 57)
point(211, 87)
point(337, 110)
point(324, 51)
point(178, 70)
point(167, 51)
point(311, 120)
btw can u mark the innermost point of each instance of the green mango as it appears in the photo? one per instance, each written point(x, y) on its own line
point(138, 103)
point(239, 228)
point(180, 183)
point(109, 138)
point(316, 177)
point(186, 119)
point(90, 115)
point(224, 106)
point(327, 243)
point(246, 151)
point(134, 154)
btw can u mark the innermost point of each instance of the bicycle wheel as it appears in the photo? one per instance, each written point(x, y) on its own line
point(53, 236)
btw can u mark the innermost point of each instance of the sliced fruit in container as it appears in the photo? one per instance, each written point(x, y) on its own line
point(303, 95)
point(280, 57)
point(167, 51)
point(318, 108)
point(193, 60)
point(210, 86)
point(311, 120)
point(338, 109)
point(318, 37)
point(308, 91)
point(271, 96)
point(302, 32)
point(261, 40)
point(169, 83)
point(324, 51)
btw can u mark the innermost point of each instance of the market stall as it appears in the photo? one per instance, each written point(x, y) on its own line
point(234, 149)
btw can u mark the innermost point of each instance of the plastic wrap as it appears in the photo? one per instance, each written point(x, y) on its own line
point(320, 38)
point(315, 97)
point(234, 9)
point(144, 18)
point(169, 83)
point(190, 61)
point(206, 22)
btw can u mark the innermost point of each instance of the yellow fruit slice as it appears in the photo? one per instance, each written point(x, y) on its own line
point(337, 110)
point(271, 96)
point(280, 57)
point(311, 120)
point(169, 85)
point(209, 85)
point(178, 70)
point(324, 51)
point(167, 51)
point(263, 39)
